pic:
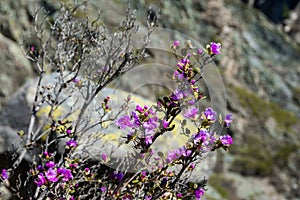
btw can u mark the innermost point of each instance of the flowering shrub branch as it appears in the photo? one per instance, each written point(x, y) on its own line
point(87, 57)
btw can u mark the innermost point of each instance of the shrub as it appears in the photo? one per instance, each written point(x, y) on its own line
point(86, 56)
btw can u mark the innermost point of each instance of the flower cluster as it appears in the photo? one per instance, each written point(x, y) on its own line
point(144, 125)
point(144, 120)
point(51, 174)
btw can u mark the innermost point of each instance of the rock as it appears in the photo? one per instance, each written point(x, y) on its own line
point(15, 69)
point(9, 140)
point(5, 194)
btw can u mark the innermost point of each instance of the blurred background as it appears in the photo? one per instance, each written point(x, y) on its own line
point(260, 67)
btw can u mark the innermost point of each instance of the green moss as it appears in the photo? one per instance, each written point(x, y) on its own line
point(253, 157)
point(262, 109)
point(283, 154)
point(219, 183)
point(251, 166)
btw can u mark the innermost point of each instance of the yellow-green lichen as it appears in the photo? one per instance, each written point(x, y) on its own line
point(253, 157)
point(218, 182)
point(262, 109)
point(283, 154)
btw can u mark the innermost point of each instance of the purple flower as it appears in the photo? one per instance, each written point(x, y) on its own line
point(215, 48)
point(50, 164)
point(192, 166)
point(148, 197)
point(178, 75)
point(103, 189)
point(139, 108)
point(66, 174)
point(87, 171)
point(165, 123)
point(120, 176)
point(185, 152)
point(210, 114)
point(226, 140)
point(71, 143)
point(51, 175)
point(150, 125)
point(199, 193)
point(199, 51)
point(192, 102)
point(104, 157)
point(175, 154)
point(191, 112)
point(136, 119)
point(124, 122)
point(201, 136)
point(40, 168)
point(176, 43)
point(75, 80)
point(41, 180)
point(177, 95)
point(144, 173)
point(4, 174)
point(117, 176)
point(228, 119)
point(148, 139)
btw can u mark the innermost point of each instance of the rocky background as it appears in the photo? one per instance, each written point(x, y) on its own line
point(260, 65)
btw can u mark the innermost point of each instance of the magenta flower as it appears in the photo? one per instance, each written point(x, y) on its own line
point(103, 189)
point(228, 119)
point(148, 139)
point(136, 119)
point(32, 48)
point(215, 48)
point(177, 153)
point(66, 174)
point(199, 193)
point(191, 102)
point(4, 174)
point(191, 112)
point(185, 152)
point(139, 108)
point(104, 157)
point(165, 123)
point(178, 95)
point(199, 51)
point(50, 164)
point(117, 176)
point(41, 180)
point(209, 114)
point(87, 171)
point(75, 80)
point(176, 43)
point(124, 122)
point(201, 136)
point(192, 166)
point(150, 125)
point(226, 140)
point(144, 174)
point(148, 197)
point(51, 175)
point(71, 143)
point(178, 75)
